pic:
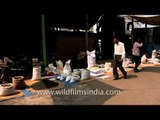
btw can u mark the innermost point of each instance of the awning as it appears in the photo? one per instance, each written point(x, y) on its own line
point(155, 20)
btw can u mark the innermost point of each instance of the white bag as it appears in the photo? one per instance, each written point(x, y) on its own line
point(85, 74)
point(59, 64)
point(144, 59)
point(91, 58)
point(107, 66)
point(51, 68)
point(36, 73)
point(126, 62)
point(67, 68)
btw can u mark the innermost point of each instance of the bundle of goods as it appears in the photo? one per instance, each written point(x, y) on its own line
point(76, 75)
point(96, 71)
point(91, 58)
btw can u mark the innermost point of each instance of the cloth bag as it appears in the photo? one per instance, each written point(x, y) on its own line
point(36, 73)
point(91, 58)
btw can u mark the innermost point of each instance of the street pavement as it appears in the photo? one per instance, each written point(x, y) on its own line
point(140, 88)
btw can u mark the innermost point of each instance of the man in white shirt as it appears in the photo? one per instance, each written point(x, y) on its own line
point(119, 56)
point(136, 53)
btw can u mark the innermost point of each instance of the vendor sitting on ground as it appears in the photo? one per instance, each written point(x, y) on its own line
point(4, 67)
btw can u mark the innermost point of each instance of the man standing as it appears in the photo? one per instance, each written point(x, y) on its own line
point(119, 56)
point(136, 53)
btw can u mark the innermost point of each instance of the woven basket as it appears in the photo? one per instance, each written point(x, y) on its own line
point(18, 82)
point(7, 89)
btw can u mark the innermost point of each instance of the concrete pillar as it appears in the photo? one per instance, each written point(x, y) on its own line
point(43, 39)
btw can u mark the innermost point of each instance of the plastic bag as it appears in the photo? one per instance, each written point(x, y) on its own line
point(126, 62)
point(59, 64)
point(144, 59)
point(67, 68)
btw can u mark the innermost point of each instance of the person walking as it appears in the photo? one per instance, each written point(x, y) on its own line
point(119, 56)
point(137, 53)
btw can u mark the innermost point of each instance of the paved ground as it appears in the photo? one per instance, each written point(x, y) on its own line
point(141, 88)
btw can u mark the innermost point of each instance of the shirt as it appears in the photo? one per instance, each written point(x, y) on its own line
point(5, 60)
point(119, 49)
point(136, 48)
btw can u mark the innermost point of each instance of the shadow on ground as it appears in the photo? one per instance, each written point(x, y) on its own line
point(92, 93)
point(151, 69)
point(131, 76)
point(44, 84)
